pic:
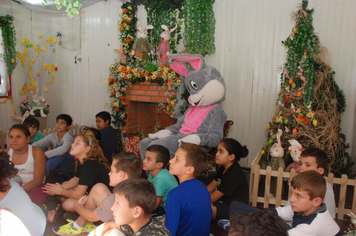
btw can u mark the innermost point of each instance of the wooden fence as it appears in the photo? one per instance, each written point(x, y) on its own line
point(4, 134)
point(344, 186)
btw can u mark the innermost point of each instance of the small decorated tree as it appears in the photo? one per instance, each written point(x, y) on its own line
point(310, 102)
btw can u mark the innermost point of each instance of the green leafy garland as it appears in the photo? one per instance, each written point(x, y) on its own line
point(9, 38)
point(199, 26)
point(72, 6)
point(161, 12)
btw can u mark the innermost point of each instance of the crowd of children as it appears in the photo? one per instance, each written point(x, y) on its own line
point(102, 185)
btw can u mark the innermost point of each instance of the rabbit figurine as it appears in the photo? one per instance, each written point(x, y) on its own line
point(141, 46)
point(203, 122)
point(164, 49)
point(295, 150)
point(277, 153)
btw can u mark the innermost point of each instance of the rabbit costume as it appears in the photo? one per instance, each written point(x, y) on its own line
point(202, 123)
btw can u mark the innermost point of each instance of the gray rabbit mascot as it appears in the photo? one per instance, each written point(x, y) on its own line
point(203, 122)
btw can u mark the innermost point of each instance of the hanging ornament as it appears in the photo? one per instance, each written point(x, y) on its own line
point(286, 121)
point(291, 81)
point(40, 36)
point(38, 74)
point(33, 61)
point(46, 89)
point(55, 68)
point(315, 122)
point(268, 126)
point(299, 94)
point(262, 152)
point(287, 99)
point(12, 60)
point(294, 131)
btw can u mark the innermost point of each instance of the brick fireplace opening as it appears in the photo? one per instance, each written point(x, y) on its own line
point(144, 112)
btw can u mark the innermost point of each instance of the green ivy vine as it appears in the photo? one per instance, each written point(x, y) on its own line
point(199, 26)
point(9, 39)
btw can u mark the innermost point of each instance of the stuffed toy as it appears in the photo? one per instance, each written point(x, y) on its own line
point(277, 153)
point(141, 46)
point(295, 150)
point(164, 49)
point(202, 123)
point(37, 103)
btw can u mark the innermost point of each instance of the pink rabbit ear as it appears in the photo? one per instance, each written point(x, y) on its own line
point(195, 60)
point(179, 68)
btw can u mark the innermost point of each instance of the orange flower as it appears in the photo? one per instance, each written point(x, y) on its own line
point(122, 98)
point(120, 29)
point(305, 120)
point(130, 70)
point(146, 73)
point(169, 81)
point(131, 16)
point(122, 25)
point(124, 10)
point(305, 53)
point(112, 105)
point(116, 108)
point(112, 94)
point(177, 79)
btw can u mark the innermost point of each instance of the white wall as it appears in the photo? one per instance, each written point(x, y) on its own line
point(249, 54)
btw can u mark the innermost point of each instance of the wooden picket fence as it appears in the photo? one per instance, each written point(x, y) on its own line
point(345, 186)
point(4, 134)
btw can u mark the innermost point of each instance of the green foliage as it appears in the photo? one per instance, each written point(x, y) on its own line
point(158, 15)
point(72, 6)
point(9, 38)
point(199, 26)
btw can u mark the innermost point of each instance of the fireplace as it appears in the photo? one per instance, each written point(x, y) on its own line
point(143, 111)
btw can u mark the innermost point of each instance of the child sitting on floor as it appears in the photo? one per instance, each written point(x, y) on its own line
point(310, 159)
point(307, 211)
point(97, 205)
point(134, 203)
point(156, 159)
point(230, 183)
point(33, 125)
point(93, 168)
point(109, 137)
point(188, 207)
point(29, 160)
point(58, 158)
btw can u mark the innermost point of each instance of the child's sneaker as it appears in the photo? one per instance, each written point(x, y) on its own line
point(67, 229)
point(88, 227)
point(224, 224)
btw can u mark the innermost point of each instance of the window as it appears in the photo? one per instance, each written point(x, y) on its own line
point(4, 78)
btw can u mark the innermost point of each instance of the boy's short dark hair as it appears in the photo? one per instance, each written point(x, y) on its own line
point(138, 192)
point(31, 122)
point(162, 154)
point(257, 223)
point(311, 182)
point(320, 156)
point(129, 163)
point(195, 156)
point(104, 115)
point(65, 117)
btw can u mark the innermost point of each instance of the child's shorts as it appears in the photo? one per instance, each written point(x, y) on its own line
point(104, 211)
point(222, 211)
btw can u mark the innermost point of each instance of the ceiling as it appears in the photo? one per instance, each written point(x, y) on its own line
point(50, 7)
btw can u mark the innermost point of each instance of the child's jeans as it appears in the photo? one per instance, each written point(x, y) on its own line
point(64, 163)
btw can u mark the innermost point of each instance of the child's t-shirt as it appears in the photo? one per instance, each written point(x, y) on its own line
point(164, 182)
point(188, 209)
point(38, 136)
point(59, 147)
point(108, 142)
point(318, 223)
point(233, 184)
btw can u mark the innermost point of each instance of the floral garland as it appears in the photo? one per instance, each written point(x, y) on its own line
point(123, 76)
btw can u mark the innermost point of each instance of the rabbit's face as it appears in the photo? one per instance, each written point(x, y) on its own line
point(295, 153)
point(165, 35)
point(141, 34)
point(206, 87)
